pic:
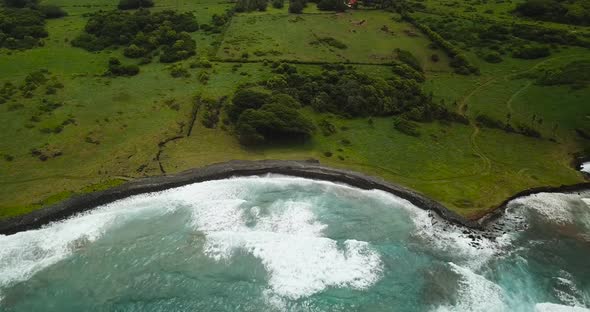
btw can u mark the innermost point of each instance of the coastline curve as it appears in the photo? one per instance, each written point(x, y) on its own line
point(310, 169)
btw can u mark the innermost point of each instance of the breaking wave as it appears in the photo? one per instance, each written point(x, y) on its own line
point(282, 243)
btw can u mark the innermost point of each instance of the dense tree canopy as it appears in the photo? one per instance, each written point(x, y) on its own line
point(271, 122)
point(21, 28)
point(251, 5)
point(562, 11)
point(142, 33)
point(135, 4)
point(343, 91)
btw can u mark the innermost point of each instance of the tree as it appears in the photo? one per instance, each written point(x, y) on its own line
point(296, 6)
point(272, 122)
point(278, 4)
point(246, 99)
point(135, 4)
point(52, 11)
point(332, 5)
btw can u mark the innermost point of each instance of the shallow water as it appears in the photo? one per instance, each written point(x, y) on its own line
point(290, 244)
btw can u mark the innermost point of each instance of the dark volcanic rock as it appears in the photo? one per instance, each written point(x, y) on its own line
point(310, 169)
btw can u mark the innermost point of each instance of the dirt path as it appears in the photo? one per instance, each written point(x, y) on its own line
point(463, 102)
point(515, 95)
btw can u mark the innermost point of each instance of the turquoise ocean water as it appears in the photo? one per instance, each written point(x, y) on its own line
point(280, 243)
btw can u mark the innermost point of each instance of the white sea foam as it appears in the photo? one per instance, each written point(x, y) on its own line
point(585, 167)
point(26, 253)
point(552, 307)
point(560, 208)
point(287, 239)
point(286, 236)
point(475, 293)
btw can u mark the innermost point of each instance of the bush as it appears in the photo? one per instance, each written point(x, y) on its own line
point(251, 5)
point(531, 52)
point(331, 5)
point(141, 33)
point(246, 99)
point(408, 58)
point(296, 6)
point(493, 57)
point(134, 51)
point(278, 4)
point(331, 42)
point(406, 127)
point(134, 4)
point(21, 28)
point(179, 72)
point(118, 69)
point(52, 11)
point(272, 122)
point(327, 127)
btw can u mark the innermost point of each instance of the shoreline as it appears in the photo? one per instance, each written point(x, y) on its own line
point(310, 169)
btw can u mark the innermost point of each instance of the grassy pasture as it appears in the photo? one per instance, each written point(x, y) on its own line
point(291, 37)
point(467, 168)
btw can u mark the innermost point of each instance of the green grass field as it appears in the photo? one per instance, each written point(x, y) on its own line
point(120, 121)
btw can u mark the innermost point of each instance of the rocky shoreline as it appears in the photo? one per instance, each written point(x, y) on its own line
point(310, 169)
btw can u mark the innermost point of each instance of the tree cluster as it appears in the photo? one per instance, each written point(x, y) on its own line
point(576, 74)
point(343, 91)
point(142, 33)
point(530, 52)
point(116, 68)
point(251, 5)
point(297, 6)
point(561, 11)
point(218, 21)
point(523, 129)
point(134, 4)
point(458, 60)
point(332, 5)
point(21, 28)
point(263, 118)
point(22, 23)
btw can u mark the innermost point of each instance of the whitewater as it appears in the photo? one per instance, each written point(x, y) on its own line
point(278, 243)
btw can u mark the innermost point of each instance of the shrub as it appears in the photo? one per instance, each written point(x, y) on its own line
point(331, 42)
point(134, 4)
point(296, 6)
point(493, 57)
point(179, 71)
point(270, 123)
point(134, 51)
point(246, 99)
point(52, 11)
point(331, 5)
point(406, 127)
point(21, 28)
point(408, 58)
point(251, 5)
point(118, 69)
point(327, 127)
point(531, 52)
point(141, 33)
point(278, 4)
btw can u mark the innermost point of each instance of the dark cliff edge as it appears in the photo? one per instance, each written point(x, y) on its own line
point(499, 210)
point(306, 169)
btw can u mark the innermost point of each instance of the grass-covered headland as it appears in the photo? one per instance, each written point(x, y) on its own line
point(466, 102)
